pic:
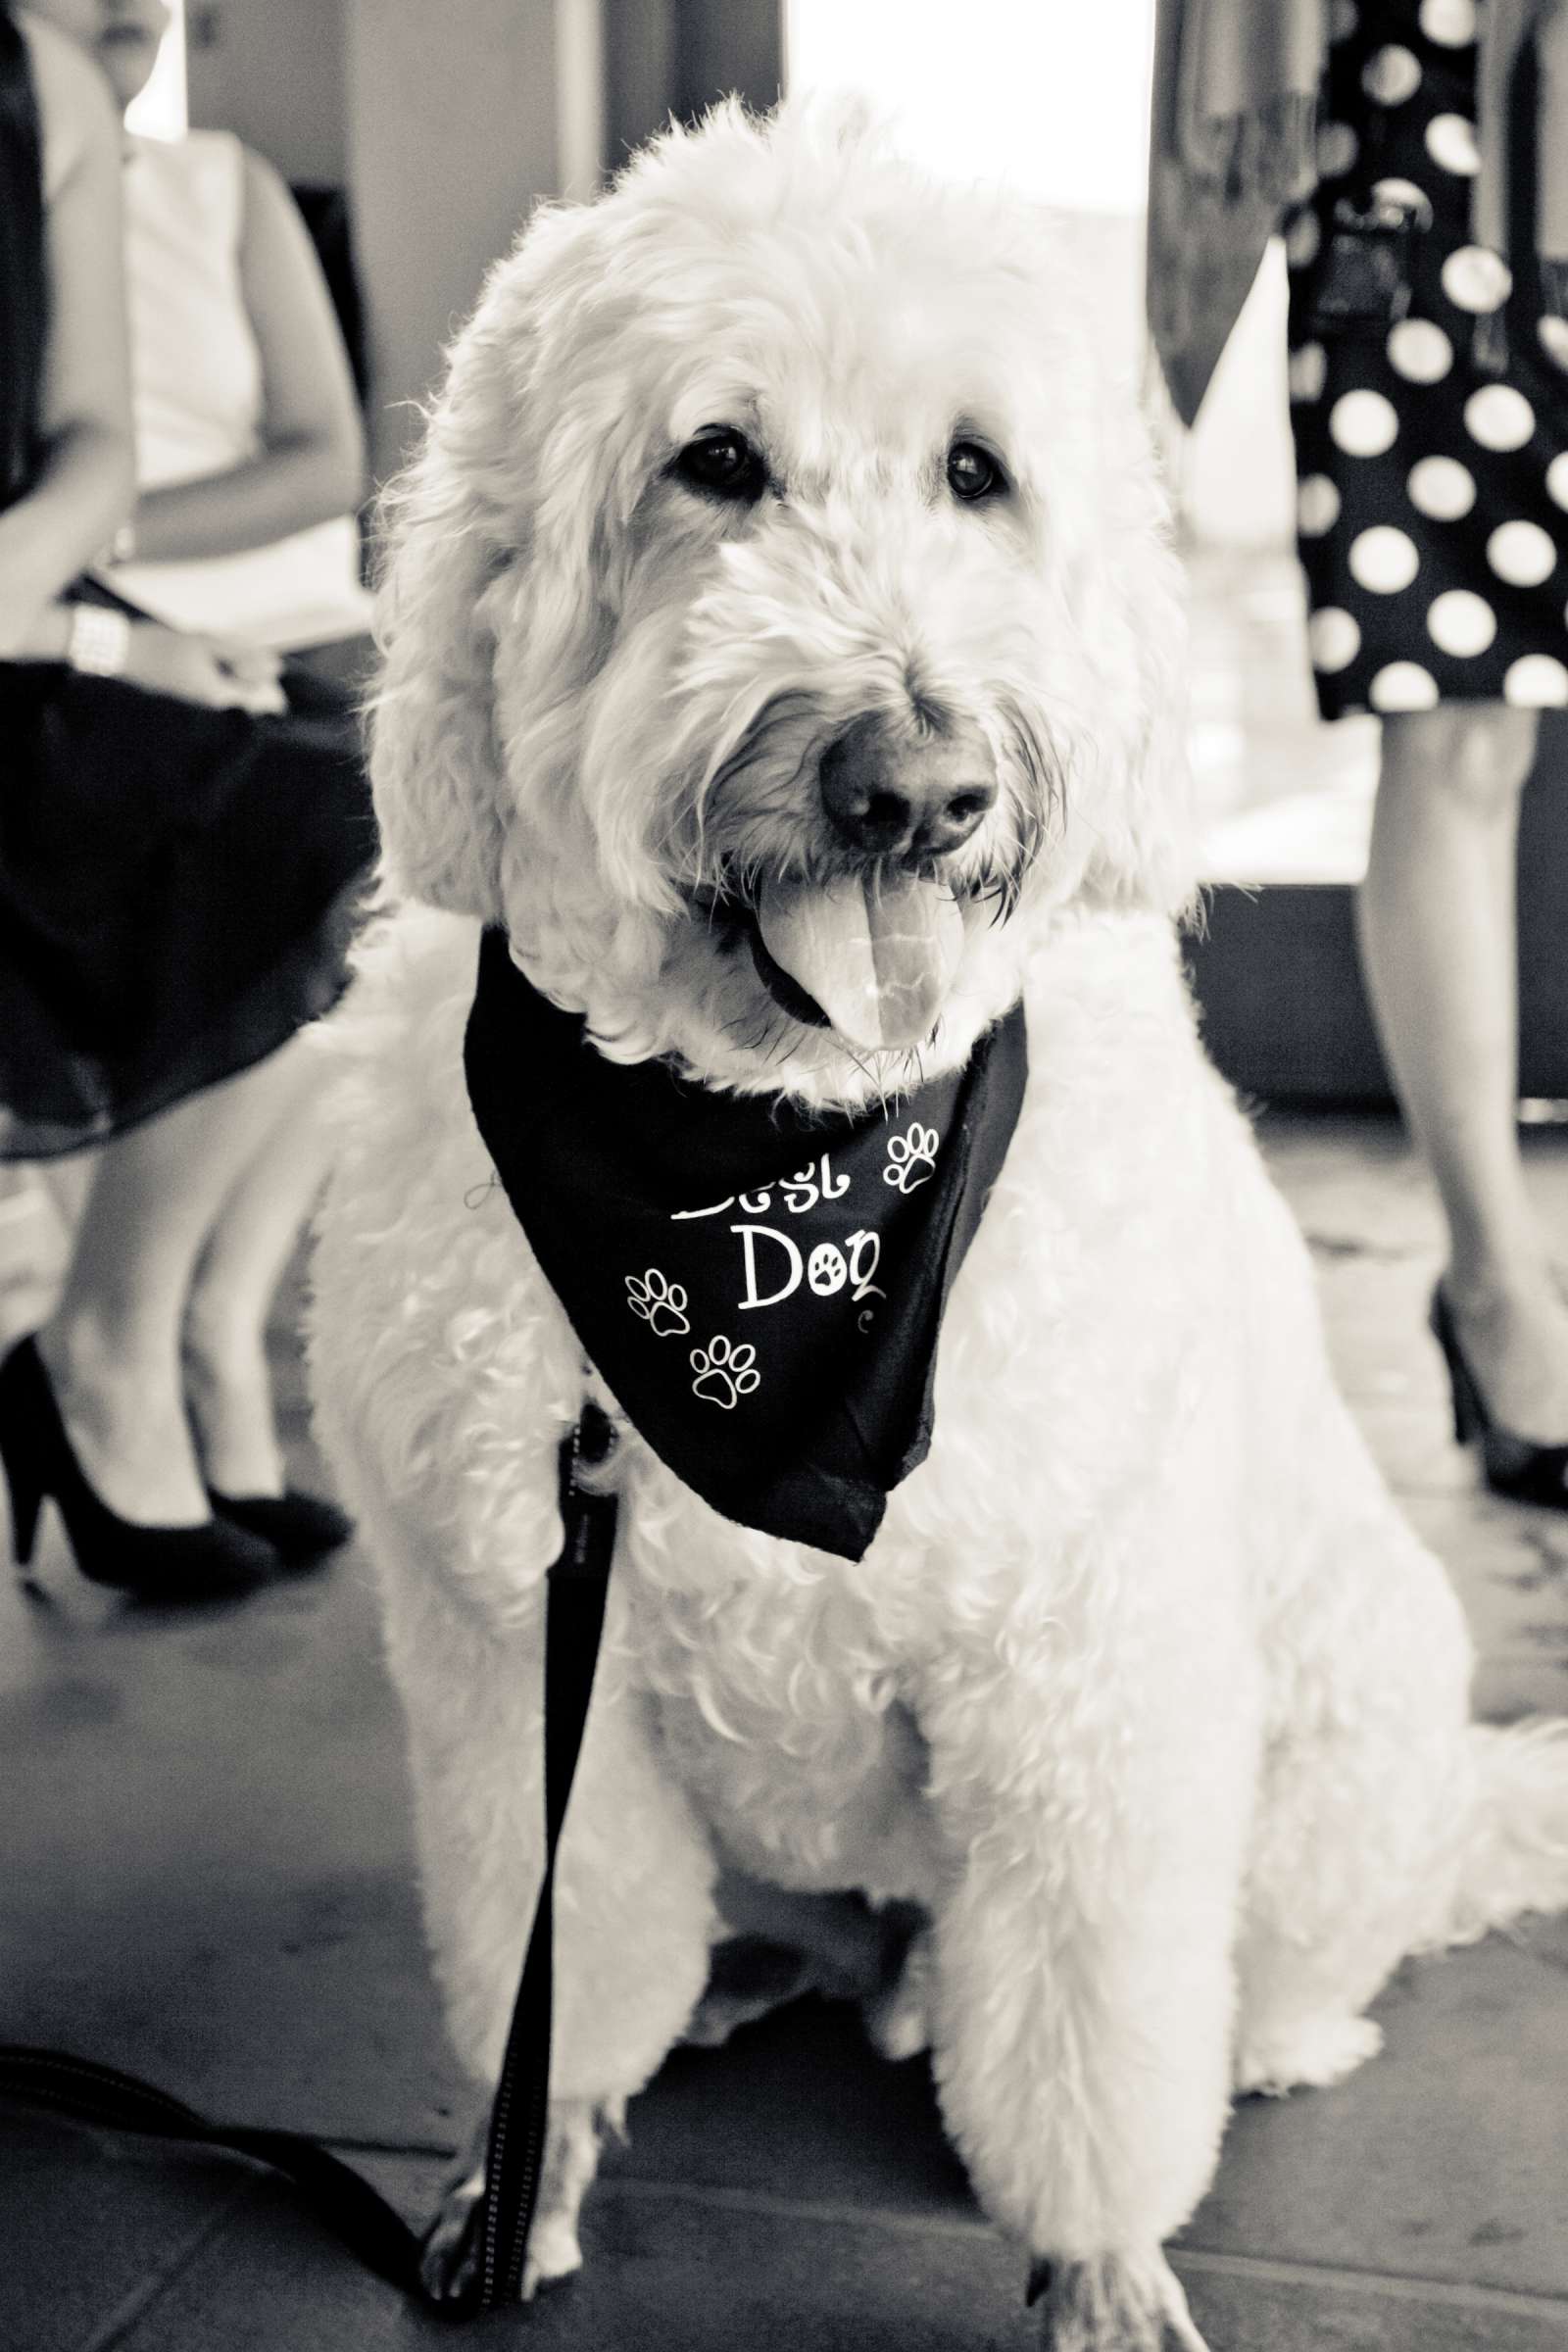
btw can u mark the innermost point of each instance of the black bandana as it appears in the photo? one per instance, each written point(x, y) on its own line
point(760, 1285)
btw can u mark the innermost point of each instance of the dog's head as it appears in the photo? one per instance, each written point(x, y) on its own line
point(777, 623)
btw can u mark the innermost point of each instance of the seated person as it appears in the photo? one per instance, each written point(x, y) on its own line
point(250, 459)
point(183, 836)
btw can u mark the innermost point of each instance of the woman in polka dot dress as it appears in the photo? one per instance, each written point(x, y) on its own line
point(1432, 455)
point(1434, 495)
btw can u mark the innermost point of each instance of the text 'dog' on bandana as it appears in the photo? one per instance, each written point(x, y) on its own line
point(760, 1285)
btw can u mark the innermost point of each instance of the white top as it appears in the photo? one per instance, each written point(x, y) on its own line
point(198, 394)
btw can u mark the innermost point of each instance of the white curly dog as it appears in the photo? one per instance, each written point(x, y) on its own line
point(776, 528)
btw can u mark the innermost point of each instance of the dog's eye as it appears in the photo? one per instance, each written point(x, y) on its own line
point(973, 472)
point(725, 464)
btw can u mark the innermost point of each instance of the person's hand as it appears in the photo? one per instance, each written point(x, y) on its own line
point(254, 669)
point(223, 674)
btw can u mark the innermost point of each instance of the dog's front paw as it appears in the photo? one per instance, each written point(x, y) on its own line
point(449, 2252)
point(553, 2252)
point(1112, 2305)
point(448, 2258)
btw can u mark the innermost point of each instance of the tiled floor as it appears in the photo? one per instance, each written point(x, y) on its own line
point(204, 1857)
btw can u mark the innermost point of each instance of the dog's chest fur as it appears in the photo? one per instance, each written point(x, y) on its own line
point(782, 1706)
point(785, 1681)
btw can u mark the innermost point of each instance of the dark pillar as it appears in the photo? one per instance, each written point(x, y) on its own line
point(676, 57)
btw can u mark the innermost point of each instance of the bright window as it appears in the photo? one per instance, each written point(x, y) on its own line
point(160, 112)
point(1052, 96)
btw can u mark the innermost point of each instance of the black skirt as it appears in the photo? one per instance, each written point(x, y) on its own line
point(178, 891)
point(1433, 475)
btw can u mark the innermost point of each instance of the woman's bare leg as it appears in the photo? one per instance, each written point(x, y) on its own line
point(227, 1386)
point(1439, 945)
point(112, 1346)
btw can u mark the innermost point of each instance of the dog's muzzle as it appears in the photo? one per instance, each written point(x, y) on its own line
point(892, 794)
point(873, 950)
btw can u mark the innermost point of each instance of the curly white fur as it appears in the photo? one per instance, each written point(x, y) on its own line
point(1145, 1689)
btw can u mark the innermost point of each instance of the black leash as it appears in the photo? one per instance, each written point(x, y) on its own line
point(53, 2080)
point(574, 1618)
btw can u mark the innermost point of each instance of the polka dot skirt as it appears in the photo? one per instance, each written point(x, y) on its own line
point(1433, 497)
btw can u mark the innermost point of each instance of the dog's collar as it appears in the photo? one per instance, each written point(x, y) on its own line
point(760, 1286)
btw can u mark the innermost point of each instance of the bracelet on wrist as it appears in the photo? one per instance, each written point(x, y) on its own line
point(99, 644)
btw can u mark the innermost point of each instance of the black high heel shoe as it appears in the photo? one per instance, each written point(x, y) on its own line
point(1514, 1466)
point(302, 1529)
point(210, 1561)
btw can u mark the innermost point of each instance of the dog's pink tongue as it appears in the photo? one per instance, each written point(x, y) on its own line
point(878, 958)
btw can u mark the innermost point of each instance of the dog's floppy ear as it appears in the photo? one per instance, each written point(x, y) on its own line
point(459, 529)
point(492, 536)
point(433, 757)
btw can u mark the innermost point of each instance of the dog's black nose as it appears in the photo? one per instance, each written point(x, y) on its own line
point(893, 793)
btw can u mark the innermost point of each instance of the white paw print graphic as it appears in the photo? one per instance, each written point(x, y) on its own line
point(725, 1373)
point(912, 1157)
point(661, 1303)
